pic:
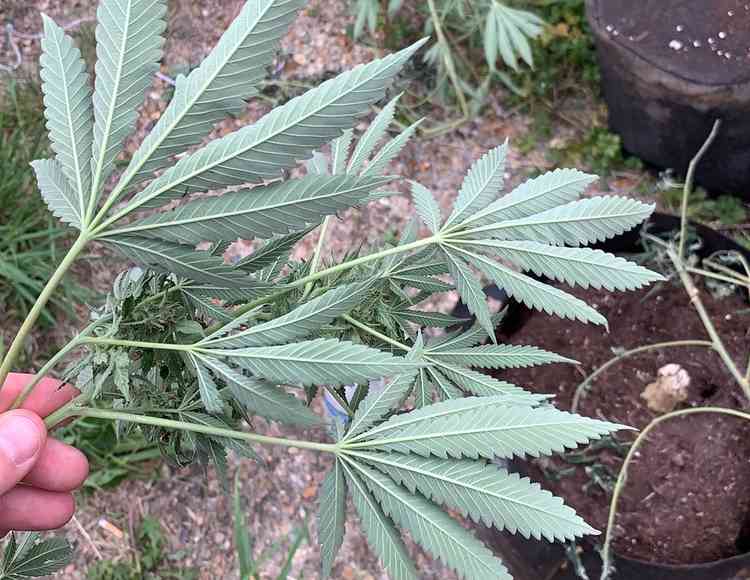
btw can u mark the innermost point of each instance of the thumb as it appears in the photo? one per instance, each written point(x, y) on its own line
point(22, 438)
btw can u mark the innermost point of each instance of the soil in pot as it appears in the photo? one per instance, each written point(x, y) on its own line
point(687, 499)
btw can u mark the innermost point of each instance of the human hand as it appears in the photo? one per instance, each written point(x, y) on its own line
point(37, 473)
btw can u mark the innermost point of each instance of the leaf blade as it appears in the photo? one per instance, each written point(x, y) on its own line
point(486, 493)
point(58, 194)
point(261, 212)
point(379, 530)
point(492, 430)
point(300, 322)
point(316, 362)
point(331, 516)
point(481, 185)
point(68, 109)
point(129, 42)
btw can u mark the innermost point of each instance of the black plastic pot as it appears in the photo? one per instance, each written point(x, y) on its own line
point(668, 72)
point(541, 560)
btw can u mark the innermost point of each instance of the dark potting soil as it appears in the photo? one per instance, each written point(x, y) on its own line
point(704, 41)
point(687, 499)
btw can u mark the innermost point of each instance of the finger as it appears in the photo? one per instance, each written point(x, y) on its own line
point(22, 438)
point(30, 509)
point(48, 396)
point(59, 467)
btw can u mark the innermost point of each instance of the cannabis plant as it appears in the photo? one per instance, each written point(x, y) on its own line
point(503, 31)
point(188, 346)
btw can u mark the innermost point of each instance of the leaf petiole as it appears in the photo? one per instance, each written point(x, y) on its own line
point(74, 411)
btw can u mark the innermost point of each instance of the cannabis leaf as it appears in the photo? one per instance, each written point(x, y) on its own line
point(506, 33)
point(260, 212)
point(191, 345)
point(128, 50)
point(481, 185)
point(315, 362)
point(26, 556)
point(288, 134)
point(432, 459)
point(298, 323)
point(490, 430)
point(58, 193)
point(332, 516)
point(68, 109)
point(218, 87)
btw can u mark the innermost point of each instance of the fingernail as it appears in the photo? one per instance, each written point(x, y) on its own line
point(19, 439)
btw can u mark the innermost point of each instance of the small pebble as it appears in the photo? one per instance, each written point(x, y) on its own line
point(722, 34)
point(697, 43)
point(679, 28)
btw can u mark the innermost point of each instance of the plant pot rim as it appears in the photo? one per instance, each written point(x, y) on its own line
point(681, 83)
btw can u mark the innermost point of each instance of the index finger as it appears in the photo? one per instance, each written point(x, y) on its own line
point(48, 396)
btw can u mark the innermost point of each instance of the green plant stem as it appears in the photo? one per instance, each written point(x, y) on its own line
point(315, 263)
point(688, 188)
point(450, 66)
point(50, 364)
point(195, 428)
point(371, 331)
point(622, 476)
point(159, 295)
point(728, 271)
point(66, 411)
point(327, 272)
point(583, 386)
point(36, 310)
point(738, 280)
point(718, 344)
point(139, 344)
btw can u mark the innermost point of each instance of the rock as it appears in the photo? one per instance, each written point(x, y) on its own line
point(669, 389)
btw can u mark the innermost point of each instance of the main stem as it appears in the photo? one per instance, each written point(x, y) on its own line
point(192, 427)
point(36, 310)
